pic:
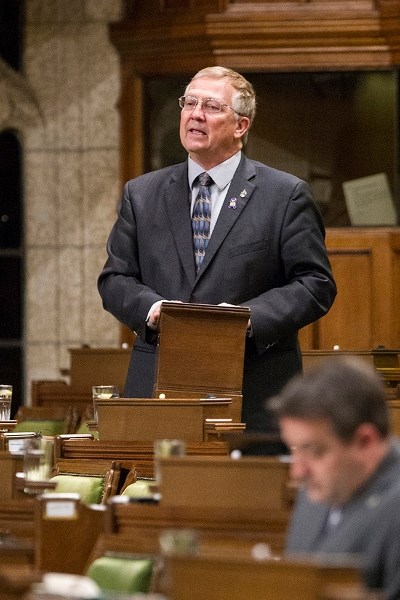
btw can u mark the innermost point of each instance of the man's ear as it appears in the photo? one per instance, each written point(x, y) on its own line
point(365, 435)
point(243, 125)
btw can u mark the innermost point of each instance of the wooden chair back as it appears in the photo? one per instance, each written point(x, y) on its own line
point(91, 478)
point(52, 393)
point(47, 420)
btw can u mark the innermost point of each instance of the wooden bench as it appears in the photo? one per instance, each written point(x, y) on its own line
point(138, 455)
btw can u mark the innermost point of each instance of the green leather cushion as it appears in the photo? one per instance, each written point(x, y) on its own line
point(124, 575)
point(89, 488)
point(45, 427)
point(139, 489)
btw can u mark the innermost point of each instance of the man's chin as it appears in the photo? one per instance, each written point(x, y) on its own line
point(315, 494)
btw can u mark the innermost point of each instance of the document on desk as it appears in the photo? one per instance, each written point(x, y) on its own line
point(369, 201)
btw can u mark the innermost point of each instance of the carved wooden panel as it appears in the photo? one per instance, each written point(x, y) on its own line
point(349, 323)
point(174, 36)
point(365, 315)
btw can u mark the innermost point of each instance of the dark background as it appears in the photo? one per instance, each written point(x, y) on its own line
point(11, 218)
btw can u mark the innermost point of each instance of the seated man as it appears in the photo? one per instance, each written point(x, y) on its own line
point(335, 422)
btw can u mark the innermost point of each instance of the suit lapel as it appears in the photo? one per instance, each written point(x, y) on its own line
point(177, 202)
point(237, 197)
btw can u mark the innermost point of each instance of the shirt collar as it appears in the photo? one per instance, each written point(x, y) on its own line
point(222, 174)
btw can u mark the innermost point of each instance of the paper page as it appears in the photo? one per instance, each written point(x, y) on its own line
point(369, 201)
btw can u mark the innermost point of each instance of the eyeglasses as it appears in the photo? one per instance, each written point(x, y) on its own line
point(211, 106)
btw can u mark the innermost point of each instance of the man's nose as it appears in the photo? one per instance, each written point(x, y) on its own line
point(198, 111)
point(298, 468)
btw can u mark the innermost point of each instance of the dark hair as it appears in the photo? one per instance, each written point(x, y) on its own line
point(345, 391)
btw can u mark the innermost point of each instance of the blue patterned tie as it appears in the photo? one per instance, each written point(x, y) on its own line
point(201, 218)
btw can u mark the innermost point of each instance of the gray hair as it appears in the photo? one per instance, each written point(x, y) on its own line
point(244, 100)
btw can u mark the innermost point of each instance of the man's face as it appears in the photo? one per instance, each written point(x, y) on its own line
point(211, 138)
point(328, 468)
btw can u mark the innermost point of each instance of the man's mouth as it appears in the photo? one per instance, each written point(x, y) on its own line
point(195, 131)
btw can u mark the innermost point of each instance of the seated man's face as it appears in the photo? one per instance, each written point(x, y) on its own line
point(328, 468)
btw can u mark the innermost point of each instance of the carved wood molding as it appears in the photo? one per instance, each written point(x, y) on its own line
point(179, 36)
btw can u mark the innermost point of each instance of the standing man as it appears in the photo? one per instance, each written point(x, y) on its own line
point(258, 241)
point(335, 421)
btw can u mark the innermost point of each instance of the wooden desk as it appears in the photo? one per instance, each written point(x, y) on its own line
point(219, 334)
point(378, 358)
point(16, 581)
point(16, 517)
point(10, 464)
point(213, 496)
point(66, 532)
point(250, 483)
point(234, 578)
point(131, 519)
point(149, 419)
point(98, 366)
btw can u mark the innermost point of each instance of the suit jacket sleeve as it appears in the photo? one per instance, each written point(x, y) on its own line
point(120, 283)
point(304, 287)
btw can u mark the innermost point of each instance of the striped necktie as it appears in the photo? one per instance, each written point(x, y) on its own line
point(201, 218)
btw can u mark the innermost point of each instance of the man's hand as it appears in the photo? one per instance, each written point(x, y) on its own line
point(154, 314)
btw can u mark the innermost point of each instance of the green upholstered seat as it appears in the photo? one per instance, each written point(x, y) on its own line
point(42, 426)
point(90, 488)
point(121, 574)
point(139, 489)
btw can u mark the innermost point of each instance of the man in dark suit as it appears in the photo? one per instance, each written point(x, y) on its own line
point(335, 421)
point(264, 245)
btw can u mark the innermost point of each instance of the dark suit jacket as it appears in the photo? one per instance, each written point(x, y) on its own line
point(266, 252)
point(369, 528)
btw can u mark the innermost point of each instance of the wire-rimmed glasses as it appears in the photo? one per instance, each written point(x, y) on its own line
point(211, 106)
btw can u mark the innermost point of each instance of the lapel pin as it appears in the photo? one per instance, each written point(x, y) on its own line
point(243, 193)
point(232, 203)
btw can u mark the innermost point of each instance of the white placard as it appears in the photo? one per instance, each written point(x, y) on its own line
point(16, 446)
point(60, 510)
point(369, 201)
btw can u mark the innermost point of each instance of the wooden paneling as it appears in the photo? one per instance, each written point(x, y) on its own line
point(365, 315)
point(98, 366)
